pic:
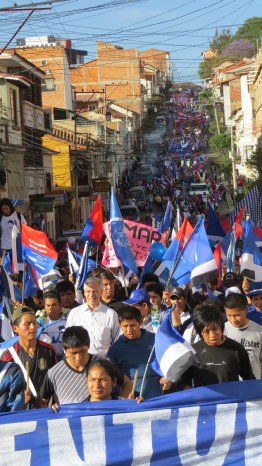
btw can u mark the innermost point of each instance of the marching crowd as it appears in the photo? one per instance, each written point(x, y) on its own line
point(96, 345)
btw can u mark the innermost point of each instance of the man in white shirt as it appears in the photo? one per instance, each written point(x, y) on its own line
point(244, 331)
point(100, 321)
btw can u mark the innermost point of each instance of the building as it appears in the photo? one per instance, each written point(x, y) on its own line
point(23, 123)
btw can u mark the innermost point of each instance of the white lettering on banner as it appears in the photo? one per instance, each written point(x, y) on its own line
point(142, 432)
point(62, 446)
point(187, 435)
point(93, 433)
point(8, 455)
point(34, 244)
point(253, 450)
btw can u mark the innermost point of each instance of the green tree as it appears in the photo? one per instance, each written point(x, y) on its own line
point(206, 67)
point(251, 30)
point(254, 164)
point(220, 143)
point(220, 40)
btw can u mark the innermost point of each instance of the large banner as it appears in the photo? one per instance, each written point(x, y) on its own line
point(216, 425)
point(140, 237)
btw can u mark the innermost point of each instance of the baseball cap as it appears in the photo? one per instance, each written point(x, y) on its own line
point(231, 279)
point(255, 292)
point(20, 311)
point(232, 289)
point(179, 292)
point(137, 296)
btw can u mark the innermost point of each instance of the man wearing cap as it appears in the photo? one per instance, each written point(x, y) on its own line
point(177, 298)
point(40, 355)
point(255, 310)
point(231, 281)
point(140, 299)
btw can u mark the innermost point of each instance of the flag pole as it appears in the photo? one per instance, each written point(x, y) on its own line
point(146, 369)
point(23, 285)
point(2, 258)
point(124, 278)
point(175, 263)
point(81, 266)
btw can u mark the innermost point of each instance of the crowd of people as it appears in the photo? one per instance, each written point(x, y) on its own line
point(95, 345)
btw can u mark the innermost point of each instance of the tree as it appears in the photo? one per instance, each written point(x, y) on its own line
point(206, 67)
point(251, 30)
point(220, 40)
point(254, 164)
point(220, 143)
point(239, 49)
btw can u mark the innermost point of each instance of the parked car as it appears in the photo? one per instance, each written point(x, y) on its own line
point(68, 236)
point(130, 211)
point(199, 188)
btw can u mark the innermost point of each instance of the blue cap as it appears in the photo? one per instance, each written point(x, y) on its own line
point(137, 296)
point(255, 292)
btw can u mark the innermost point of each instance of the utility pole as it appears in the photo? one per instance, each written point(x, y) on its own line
point(233, 162)
point(76, 170)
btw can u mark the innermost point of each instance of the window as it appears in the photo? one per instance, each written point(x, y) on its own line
point(91, 108)
point(48, 181)
point(13, 107)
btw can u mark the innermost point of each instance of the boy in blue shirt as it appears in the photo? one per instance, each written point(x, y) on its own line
point(131, 351)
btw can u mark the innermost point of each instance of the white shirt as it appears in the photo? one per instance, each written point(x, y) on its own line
point(55, 333)
point(250, 337)
point(7, 224)
point(101, 324)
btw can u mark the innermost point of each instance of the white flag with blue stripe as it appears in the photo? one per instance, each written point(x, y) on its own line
point(251, 259)
point(173, 354)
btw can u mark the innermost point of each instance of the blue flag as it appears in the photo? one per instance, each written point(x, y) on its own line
point(173, 354)
point(197, 264)
point(119, 237)
point(31, 284)
point(251, 259)
point(148, 267)
point(214, 231)
point(171, 253)
point(231, 252)
point(87, 266)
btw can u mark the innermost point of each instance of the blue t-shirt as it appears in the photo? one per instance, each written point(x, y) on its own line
point(254, 315)
point(132, 355)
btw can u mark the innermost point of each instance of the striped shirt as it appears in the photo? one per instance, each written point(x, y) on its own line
point(67, 383)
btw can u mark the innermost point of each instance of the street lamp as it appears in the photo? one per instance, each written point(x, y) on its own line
point(49, 81)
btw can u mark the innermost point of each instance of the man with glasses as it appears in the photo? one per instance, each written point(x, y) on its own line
point(98, 319)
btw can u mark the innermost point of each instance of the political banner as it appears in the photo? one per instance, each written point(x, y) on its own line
point(140, 237)
point(216, 425)
point(37, 250)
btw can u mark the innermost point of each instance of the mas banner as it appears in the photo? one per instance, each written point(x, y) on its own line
point(140, 237)
point(216, 425)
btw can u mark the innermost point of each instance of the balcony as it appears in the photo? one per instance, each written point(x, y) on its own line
point(34, 116)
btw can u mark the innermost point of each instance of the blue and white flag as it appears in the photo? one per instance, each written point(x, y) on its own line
point(231, 252)
point(119, 237)
point(73, 265)
point(171, 253)
point(31, 281)
point(224, 247)
point(251, 259)
point(49, 280)
point(214, 231)
point(88, 264)
point(40, 221)
point(253, 204)
point(197, 264)
point(8, 288)
point(6, 331)
point(173, 354)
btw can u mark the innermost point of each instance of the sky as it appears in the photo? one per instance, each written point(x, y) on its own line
point(181, 27)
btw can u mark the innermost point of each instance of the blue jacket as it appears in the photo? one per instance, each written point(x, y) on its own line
point(12, 386)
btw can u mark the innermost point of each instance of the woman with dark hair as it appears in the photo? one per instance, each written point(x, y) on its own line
point(101, 381)
point(8, 218)
point(102, 378)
